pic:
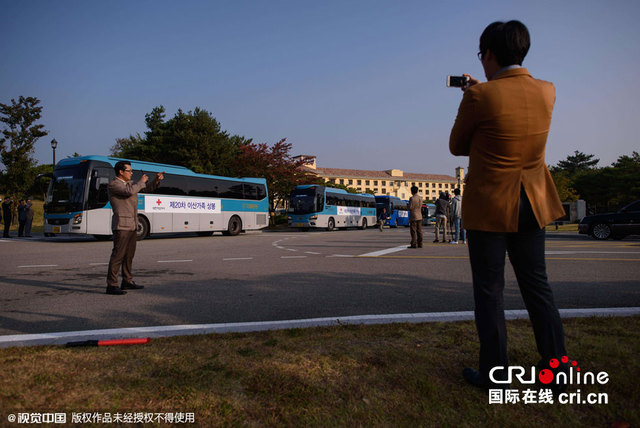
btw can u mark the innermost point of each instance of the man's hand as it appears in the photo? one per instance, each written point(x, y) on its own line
point(160, 176)
point(144, 178)
point(472, 81)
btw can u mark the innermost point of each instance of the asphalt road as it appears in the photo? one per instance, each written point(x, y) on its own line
point(57, 285)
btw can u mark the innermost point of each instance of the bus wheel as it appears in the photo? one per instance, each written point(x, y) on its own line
point(142, 230)
point(364, 224)
point(235, 226)
point(331, 224)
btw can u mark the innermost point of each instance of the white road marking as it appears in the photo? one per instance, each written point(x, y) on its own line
point(293, 257)
point(174, 261)
point(341, 255)
point(36, 266)
point(237, 258)
point(384, 252)
point(311, 252)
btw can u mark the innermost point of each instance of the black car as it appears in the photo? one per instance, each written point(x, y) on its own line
point(613, 225)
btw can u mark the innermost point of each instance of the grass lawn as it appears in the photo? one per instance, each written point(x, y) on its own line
point(381, 375)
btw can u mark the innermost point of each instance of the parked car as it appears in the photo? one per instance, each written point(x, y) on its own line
point(613, 225)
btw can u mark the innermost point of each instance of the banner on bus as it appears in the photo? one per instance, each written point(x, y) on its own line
point(168, 204)
point(348, 211)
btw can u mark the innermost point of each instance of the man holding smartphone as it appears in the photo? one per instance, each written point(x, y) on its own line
point(502, 125)
point(123, 195)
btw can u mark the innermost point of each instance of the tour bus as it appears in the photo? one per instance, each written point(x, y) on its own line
point(327, 207)
point(77, 200)
point(397, 210)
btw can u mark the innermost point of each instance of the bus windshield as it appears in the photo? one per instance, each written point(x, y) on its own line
point(303, 201)
point(66, 190)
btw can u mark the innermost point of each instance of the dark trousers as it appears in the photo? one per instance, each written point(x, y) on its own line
point(124, 248)
point(7, 225)
point(21, 224)
point(415, 226)
point(526, 254)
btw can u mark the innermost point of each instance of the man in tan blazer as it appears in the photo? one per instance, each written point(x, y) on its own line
point(123, 195)
point(415, 218)
point(502, 125)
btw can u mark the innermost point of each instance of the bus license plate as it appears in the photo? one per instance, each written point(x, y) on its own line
point(299, 224)
point(56, 229)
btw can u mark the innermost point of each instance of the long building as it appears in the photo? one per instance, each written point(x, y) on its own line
point(394, 182)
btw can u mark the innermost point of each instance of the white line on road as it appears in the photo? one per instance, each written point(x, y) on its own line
point(341, 255)
point(36, 266)
point(293, 257)
point(237, 258)
point(174, 261)
point(384, 252)
point(311, 252)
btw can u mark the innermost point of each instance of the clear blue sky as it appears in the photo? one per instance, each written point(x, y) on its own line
point(360, 84)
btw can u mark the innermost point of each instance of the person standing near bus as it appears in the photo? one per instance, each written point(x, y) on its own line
point(415, 218)
point(442, 214)
point(502, 125)
point(29, 222)
point(123, 195)
point(7, 215)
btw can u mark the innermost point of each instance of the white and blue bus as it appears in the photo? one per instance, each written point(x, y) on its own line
point(77, 200)
point(397, 210)
point(326, 207)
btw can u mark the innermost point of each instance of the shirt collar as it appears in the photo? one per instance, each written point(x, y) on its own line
point(508, 67)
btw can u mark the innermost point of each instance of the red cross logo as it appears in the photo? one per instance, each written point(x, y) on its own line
point(159, 202)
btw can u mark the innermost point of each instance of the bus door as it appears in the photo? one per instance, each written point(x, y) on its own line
point(98, 217)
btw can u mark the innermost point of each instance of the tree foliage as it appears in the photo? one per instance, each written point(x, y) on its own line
point(274, 163)
point(576, 163)
point(193, 139)
point(17, 143)
point(607, 188)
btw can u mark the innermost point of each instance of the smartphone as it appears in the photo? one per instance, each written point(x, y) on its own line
point(457, 81)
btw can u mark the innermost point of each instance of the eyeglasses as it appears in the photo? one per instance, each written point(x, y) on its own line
point(127, 170)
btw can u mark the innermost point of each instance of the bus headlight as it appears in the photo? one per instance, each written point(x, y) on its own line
point(77, 219)
point(313, 217)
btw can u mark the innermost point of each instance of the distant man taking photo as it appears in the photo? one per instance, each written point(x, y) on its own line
point(502, 125)
point(123, 195)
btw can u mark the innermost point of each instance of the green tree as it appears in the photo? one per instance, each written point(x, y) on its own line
point(193, 139)
point(274, 163)
point(576, 163)
point(19, 136)
point(564, 185)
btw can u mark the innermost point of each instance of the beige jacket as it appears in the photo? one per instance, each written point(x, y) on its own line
point(415, 208)
point(502, 125)
point(124, 202)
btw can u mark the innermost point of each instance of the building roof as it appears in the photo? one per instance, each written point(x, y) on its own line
point(382, 175)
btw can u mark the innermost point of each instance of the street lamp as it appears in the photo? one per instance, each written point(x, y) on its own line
point(54, 144)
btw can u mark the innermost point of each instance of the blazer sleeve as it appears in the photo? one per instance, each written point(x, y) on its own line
point(465, 124)
point(125, 190)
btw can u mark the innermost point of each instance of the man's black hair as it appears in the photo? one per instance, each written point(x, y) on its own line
point(120, 166)
point(509, 42)
point(414, 190)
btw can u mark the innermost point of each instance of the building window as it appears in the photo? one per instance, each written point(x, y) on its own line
point(350, 181)
point(384, 191)
point(342, 181)
point(440, 185)
point(359, 182)
point(375, 182)
point(384, 183)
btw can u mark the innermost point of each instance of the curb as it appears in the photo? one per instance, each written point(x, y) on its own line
point(244, 327)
